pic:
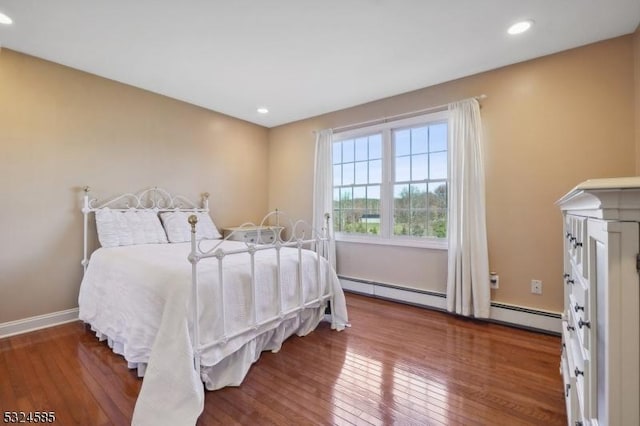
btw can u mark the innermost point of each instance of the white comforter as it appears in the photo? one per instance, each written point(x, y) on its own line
point(140, 296)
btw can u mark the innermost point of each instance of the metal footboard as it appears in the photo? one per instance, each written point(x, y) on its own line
point(319, 241)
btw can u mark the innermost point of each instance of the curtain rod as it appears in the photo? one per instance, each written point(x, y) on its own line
point(399, 116)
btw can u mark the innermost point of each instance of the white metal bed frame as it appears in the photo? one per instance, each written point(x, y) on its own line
point(159, 200)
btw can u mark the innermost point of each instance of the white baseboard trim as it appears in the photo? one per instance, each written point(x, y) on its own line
point(26, 325)
point(533, 319)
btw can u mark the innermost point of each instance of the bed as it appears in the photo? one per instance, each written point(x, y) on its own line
point(186, 307)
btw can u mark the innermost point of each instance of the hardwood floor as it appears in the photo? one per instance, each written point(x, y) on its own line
point(397, 364)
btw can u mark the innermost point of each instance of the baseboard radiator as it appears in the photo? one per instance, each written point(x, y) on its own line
point(513, 315)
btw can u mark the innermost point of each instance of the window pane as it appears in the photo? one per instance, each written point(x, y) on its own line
point(438, 137)
point(337, 152)
point(375, 171)
point(375, 147)
point(419, 223)
point(347, 150)
point(402, 142)
point(336, 198)
point(372, 222)
point(438, 165)
point(401, 196)
point(349, 220)
point(361, 149)
point(360, 221)
point(401, 222)
point(360, 197)
point(419, 167)
point(371, 218)
point(401, 213)
point(346, 198)
point(337, 175)
point(361, 172)
point(337, 220)
point(403, 169)
point(437, 195)
point(347, 174)
point(437, 223)
point(418, 196)
point(373, 197)
point(419, 137)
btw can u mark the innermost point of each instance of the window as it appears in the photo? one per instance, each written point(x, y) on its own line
point(390, 182)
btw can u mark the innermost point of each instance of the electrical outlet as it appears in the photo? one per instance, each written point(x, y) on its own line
point(494, 280)
point(536, 286)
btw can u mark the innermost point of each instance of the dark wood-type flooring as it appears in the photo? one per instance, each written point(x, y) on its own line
point(397, 364)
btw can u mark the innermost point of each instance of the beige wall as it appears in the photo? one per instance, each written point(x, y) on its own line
point(61, 129)
point(549, 124)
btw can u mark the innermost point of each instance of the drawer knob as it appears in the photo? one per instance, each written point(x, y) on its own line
point(576, 244)
point(571, 281)
point(578, 372)
point(578, 423)
point(565, 275)
point(570, 327)
point(584, 323)
point(568, 234)
point(572, 239)
point(567, 389)
point(578, 308)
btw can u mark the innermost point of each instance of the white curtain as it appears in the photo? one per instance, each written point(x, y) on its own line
point(323, 188)
point(468, 279)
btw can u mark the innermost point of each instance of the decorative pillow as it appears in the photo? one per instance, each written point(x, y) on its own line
point(176, 224)
point(117, 228)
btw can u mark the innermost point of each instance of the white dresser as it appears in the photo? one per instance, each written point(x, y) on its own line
point(600, 361)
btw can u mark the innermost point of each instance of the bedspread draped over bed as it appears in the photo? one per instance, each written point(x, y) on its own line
point(139, 297)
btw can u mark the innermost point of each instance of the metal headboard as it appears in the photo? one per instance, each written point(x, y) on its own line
point(154, 199)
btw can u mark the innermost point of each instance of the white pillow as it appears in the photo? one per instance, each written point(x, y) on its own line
point(178, 229)
point(131, 227)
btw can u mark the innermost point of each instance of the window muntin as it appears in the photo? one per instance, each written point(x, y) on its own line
point(390, 181)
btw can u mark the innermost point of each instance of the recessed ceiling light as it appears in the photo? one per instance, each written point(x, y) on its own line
point(4, 19)
point(520, 27)
point(263, 110)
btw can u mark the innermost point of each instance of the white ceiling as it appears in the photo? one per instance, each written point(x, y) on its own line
point(300, 58)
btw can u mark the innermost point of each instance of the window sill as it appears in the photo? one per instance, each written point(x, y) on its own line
point(434, 244)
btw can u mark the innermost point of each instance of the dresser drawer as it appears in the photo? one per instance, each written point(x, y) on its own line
point(579, 290)
point(264, 237)
point(575, 242)
point(579, 319)
point(579, 370)
point(254, 234)
point(577, 293)
point(569, 389)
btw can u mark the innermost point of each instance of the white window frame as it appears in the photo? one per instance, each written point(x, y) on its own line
point(386, 190)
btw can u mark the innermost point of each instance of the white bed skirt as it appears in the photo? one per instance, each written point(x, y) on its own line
point(232, 370)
